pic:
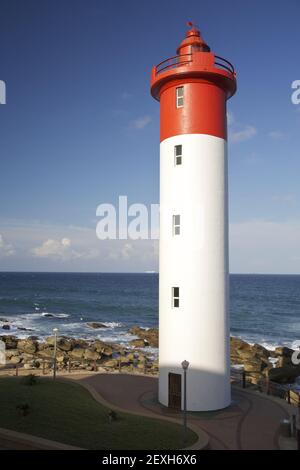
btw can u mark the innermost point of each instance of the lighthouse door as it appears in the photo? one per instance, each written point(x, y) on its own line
point(175, 391)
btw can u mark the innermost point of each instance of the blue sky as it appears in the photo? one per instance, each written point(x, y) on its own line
point(80, 127)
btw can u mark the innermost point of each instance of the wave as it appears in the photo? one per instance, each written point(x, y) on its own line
point(54, 315)
point(113, 324)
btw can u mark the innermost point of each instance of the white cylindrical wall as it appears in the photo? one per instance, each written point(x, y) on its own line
point(196, 261)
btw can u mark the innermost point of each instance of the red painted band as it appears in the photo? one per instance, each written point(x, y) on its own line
point(203, 110)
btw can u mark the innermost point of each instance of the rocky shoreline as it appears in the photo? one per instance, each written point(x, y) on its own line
point(258, 362)
point(74, 353)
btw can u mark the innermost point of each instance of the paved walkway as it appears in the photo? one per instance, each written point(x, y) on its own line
point(251, 422)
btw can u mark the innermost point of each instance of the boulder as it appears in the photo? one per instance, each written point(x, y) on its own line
point(12, 352)
point(33, 337)
point(15, 359)
point(150, 335)
point(80, 343)
point(60, 357)
point(11, 342)
point(284, 361)
point(44, 345)
point(286, 374)
point(27, 357)
point(91, 355)
point(77, 353)
point(65, 344)
point(138, 343)
point(112, 363)
point(260, 350)
point(96, 325)
point(238, 343)
point(283, 351)
point(102, 348)
point(27, 346)
point(46, 353)
point(6, 327)
point(28, 366)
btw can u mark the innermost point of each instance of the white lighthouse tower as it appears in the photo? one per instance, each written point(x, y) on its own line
point(192, 89)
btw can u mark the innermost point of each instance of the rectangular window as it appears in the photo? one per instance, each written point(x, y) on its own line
point(175, 297)
point(176, 224)
point(179, 97)
point(178, 154)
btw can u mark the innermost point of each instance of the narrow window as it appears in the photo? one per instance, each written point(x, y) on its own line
point(175, 297)
point(178, 154)
point(179, 97)
point(176, 224)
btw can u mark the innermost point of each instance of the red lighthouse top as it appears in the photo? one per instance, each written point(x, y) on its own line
point(192, 88)
point(194, 60)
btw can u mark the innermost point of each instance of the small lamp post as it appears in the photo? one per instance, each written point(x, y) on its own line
point(55, 331)
point(185, 364)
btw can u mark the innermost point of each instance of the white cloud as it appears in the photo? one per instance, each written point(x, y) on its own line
point(242, 134)
point(141, 122)
point(276, 135)
point(57, 249)
point(257, 246)
point(236, 131)
point(6, 249)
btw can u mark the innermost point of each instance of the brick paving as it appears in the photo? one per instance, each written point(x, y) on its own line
point(251, 422)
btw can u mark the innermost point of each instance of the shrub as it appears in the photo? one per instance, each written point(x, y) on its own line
point(30, 379)
point(23, 408)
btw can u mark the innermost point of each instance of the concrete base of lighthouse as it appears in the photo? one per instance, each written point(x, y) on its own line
point(196, 261)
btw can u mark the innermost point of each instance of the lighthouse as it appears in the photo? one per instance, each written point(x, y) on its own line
point(193, 88)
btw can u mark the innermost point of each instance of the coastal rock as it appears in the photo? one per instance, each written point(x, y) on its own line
point(255, 364)
point(33, 338)
point(46, 353)
point(80, 343)
point(102, 348)
point(138, 343)
point(111, 363)
point(65, 344)
point(43, 345)
point(150, 335)
point(260, 350)
point(4, 320)
point(283, 351)
point(27, 357)
point(27, 346)
point(91, 355)
point(10, 341)
point(62, 342)
point(96, 325)
point(12, 352)
point(77, 353)
point(6, 327)
point(28, 366)
point(286, 374)
point(60, 357)
point(15, 359)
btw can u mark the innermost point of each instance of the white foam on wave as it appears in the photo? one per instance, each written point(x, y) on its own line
point(54, 315)
point(112, 324)
point(296, 344)
point(270, 345)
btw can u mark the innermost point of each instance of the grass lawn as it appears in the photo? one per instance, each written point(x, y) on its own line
point(67, 413)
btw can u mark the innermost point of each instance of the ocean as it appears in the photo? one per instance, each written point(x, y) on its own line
point(263, 308)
